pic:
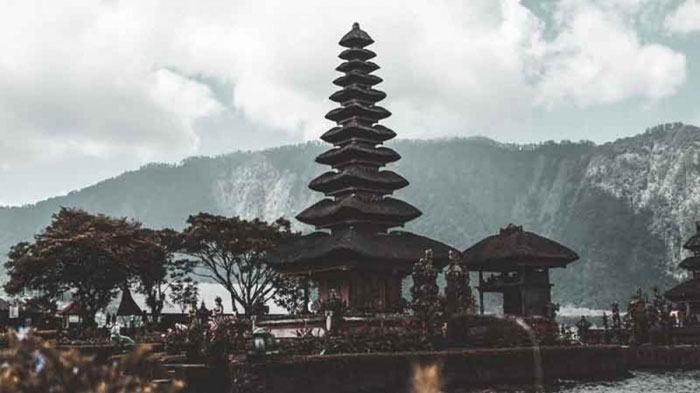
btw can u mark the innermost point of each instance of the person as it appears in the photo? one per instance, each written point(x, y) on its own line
point(117, 338)
point(218, 309)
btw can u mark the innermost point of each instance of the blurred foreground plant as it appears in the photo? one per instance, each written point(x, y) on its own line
point(33, 366)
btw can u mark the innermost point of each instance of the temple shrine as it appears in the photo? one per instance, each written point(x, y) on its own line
point(354, 252)
point(686, 295)
point(520, 263)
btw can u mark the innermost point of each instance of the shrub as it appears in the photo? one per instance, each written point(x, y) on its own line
point(211, 344)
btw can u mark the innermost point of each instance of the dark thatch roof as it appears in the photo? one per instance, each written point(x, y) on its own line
point(127, 306)
point(357, 54)
point(358, 179)
point(352, 152)
point(514, 247)
point(359, 93)
point(357, 77)
point(356, 38)
point(691, 263)
point(355, 209)
point(320, 251)
point(685, 291)
point(354, 130)
point(359, 65)
point(358, 109)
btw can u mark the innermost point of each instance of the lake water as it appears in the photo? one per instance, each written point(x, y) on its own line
point(640, 381)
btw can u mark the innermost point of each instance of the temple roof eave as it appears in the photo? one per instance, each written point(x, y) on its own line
point(357, 54)
point(385, 210)
point(344, 133)
point(357, 65)
point(357, 109)
point(691, 263)
point(378, 156)
point(320, 248)
point(685, 291)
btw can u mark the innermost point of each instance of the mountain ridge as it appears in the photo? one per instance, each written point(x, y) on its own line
point(625, 206)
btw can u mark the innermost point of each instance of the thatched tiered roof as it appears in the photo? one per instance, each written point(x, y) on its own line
point(356, 186)
point(127, 306)
point(354, 248)
point(514, 247)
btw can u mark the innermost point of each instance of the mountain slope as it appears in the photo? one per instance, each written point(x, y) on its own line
point(626, 207)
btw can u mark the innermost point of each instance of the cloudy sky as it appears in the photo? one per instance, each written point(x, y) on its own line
point(89, 89)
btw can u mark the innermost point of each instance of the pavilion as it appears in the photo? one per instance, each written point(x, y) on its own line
point(354, 252)
point(127, 306)
point(521, 261)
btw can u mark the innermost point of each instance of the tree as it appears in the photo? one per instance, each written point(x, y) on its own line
point(427, 304)
point(78, 253)
point(232, 252)
point(292, 293)
point(184, 294)
point(157, 272)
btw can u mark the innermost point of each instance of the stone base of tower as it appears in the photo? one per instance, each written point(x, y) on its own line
point(362, 291)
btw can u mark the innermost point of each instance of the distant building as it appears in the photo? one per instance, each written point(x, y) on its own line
point(520, 261)
point(686, 295)
point(354, 253)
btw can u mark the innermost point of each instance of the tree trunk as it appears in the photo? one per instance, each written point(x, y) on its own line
point(233, 303)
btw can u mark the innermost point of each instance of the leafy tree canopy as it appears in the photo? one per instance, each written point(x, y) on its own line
point(233, 251)
point(88, 255)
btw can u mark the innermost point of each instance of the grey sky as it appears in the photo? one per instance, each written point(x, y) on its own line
point(89, 89)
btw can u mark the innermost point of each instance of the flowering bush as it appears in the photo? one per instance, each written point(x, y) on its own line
point(428, 306)
point(33, 366)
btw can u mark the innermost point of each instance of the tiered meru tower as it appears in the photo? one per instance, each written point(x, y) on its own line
point(353, 252)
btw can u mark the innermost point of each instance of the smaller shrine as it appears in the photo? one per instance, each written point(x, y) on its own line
point(518, 262)
point(127, 305)
point(686, 295)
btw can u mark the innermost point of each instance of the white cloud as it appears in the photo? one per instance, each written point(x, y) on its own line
point(88, 79)
point(125, 77)
point(684, 19)
point(598, 58)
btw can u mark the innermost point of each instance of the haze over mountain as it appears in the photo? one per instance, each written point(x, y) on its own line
point(626, 206)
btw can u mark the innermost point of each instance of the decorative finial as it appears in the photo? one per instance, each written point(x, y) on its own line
point(511, 228)
point(355, 26)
